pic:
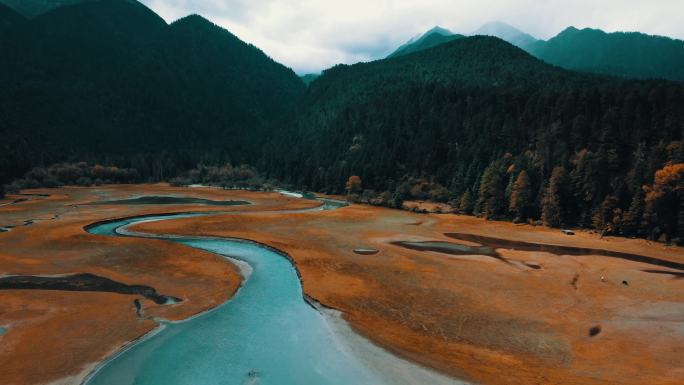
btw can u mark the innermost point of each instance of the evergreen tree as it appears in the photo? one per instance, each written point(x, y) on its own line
point(509, 185)
point(466, 203)
point(606, 217)
point(402, 193)
point(521, 195)
point(587, 181)
point(635, 213)
point(491, 200)
point(552, 214)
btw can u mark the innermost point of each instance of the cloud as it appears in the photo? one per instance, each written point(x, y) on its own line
point(311, 35)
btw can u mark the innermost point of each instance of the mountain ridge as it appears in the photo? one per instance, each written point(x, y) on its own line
point(625, 54)
point(432, 38)
point(459, 123)
point(622, 54)
point(111, 82)
point(33, 8)
point(115, 79)
point(9, 18)
point(506, 32)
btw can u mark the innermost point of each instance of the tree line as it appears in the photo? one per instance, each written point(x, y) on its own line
point(496, 132)
point(476, 122)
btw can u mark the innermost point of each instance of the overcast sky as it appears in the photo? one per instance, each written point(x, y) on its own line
point(311, 35)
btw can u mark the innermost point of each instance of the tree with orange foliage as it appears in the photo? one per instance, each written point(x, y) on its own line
point(666, 199)
point(354, 185)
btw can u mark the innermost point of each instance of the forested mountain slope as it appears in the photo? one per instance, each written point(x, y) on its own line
point(110, 79)
point(33, 8)
point(472, 115)
point(475, 121)
point(429, 39)
point(9, 18)
point(621, 54)
point(506, 32)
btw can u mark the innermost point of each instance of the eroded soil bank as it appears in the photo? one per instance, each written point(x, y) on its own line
point(527, 321)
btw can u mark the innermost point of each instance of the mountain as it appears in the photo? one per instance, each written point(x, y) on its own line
point(460, 122)
point(90, 34)
point(308, 78)
point(506, 32)
point(9, 18)
point(629, 55)
point(33, 8)
point(621, 54)
point(429, 39)
point(231, 91)
point(77, 59)
point(109, 79)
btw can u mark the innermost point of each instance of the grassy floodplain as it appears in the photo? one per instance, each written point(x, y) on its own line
point(528, 316)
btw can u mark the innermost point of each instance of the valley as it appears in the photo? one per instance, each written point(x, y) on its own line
point(289, 192)
point(469, 316)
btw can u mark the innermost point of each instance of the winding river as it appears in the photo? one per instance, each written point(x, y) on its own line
point(266, 334)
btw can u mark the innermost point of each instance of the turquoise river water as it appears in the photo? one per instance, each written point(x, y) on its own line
point(266, 334)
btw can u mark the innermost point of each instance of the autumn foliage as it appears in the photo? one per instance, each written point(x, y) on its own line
point(665, 198)
point(353, 185)
point(668, 181)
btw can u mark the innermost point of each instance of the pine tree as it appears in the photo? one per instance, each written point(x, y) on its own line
point(538, 202)
point(401, 193)
point(509, 185)
point(491, 199)
point(521, 194)
point(635, 213)
point(604, 217)
point(552, 215)
point(466, 203)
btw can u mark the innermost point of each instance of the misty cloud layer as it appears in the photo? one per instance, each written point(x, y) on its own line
point(311, 35)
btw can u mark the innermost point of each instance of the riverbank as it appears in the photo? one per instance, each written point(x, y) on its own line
point(328, 344)
point(524, 320)
point(91, 325)
point(528, 317)
point(389, 367)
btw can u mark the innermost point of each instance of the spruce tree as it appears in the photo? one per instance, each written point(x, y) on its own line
point(604, 217)
point(635, 213)
point(492, 192)
point(466, 203)
point(552, 214)
point(521, 194)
